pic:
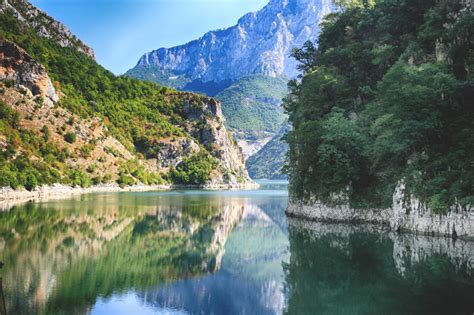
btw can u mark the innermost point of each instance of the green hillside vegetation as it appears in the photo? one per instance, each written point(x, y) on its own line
point(252, 104)
point(386, 96)
point(135, 112)
point(269, 160)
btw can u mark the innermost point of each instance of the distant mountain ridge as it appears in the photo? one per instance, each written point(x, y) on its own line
point(260, 43)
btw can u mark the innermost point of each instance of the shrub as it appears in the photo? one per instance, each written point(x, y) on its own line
point(46, 132)
point(70, 137)
point(194, 170)
point(125, 180)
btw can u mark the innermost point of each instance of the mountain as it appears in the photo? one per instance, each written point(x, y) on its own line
point(245, 66)
point(65, 119)
point(269, 160)
point(252, 107)
point(260, 43)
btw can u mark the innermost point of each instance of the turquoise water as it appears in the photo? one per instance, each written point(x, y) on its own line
point(219, 252)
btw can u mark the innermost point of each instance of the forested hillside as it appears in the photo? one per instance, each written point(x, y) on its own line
point(386, 97)
point(252, 105)
point(64, 118)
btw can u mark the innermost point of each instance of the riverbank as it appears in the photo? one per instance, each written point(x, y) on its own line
point(407, 214)
point(10, 197)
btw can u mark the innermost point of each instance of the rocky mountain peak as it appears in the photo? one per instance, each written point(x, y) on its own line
point(261, 42)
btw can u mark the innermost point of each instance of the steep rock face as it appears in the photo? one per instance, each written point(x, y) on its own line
point(407, 214)
point(207, 124)
point(44, 25)
point(260, 43)
point(17, 66)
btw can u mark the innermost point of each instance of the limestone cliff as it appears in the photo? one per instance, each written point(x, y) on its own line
point(261, 42)
point(407, 214)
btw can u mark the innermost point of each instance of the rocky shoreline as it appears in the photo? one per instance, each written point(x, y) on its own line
point(10, 197)
point(407, 214)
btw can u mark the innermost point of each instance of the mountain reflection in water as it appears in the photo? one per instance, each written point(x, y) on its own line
point(219, 252)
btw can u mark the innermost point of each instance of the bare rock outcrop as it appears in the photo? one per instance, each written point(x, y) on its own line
point(21, 69)
point(206, 123)
point(407, 214)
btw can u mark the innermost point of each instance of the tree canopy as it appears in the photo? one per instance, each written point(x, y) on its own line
point(385, 96)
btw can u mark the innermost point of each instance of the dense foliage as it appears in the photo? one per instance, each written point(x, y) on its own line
point(125, 104)
point(16, 168)
point(252, 104)
point(386, 97)
point(194, 170)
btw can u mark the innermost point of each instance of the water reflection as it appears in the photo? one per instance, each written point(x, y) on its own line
point(61, 256)
point(336, 269)
point(251, 278)
point(194, 252)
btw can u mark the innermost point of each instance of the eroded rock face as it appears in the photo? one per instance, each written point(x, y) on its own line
point(410, 214)
point(44, 25)
point(407, 214)
point(22, 70)
point(207, 124)
point(173, 151)
point(261, 42)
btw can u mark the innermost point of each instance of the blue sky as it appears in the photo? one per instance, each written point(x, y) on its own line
point(120, 31)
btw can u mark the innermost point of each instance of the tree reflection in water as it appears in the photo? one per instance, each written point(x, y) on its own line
point(336, 269)
point(61, 256)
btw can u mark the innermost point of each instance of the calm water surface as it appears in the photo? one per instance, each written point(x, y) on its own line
point(221, 252)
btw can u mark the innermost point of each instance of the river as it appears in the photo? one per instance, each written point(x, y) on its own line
point(219, 252)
